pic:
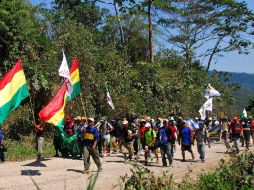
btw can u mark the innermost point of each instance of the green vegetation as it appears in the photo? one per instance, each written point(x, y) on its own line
point(115, 48)
point(25, 149)
point(234, 174)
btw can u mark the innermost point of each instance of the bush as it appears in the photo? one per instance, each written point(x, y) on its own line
point(234, 174)
point(25, 149)
point(143, 179)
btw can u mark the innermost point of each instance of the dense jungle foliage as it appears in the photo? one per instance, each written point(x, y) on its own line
point(113, 41)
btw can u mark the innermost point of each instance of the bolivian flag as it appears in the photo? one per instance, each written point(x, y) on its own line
point(75, 79)
point(13, 89)
point(54, 112)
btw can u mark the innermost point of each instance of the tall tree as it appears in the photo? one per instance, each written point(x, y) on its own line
point(119, 20)
point(150, 23)
point(205, 29)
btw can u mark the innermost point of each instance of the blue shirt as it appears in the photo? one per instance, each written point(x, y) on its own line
point(1, 136)
point(186, 135)
point(90, 135)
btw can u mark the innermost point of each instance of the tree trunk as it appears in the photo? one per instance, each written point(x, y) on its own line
point(150, 30)
point(212, 54)
point(119, 24)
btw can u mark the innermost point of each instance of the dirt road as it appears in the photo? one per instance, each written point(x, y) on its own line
point(59, 173)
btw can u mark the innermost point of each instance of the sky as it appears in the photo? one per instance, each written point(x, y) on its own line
point(231, 62)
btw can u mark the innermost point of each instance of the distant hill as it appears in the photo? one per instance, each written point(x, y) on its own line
point(246, 91)
point(244, 79)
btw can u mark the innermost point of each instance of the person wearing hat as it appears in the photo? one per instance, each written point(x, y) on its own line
point(91, 137)
point(80, 124)
point(105, 130)
point(172, 137)
point(76, 123)
point(141, 134)
point(128, 134)
point(166, 139)
point(236, 131)
point(195, 123)
point(202, 136)
point(40, 128)
point(150, 138)
point(116, 135)
point(247, 131)
point(180, 126)
point(225, 132)
point(186, 137)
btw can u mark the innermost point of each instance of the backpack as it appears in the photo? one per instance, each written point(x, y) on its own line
point(237, 129)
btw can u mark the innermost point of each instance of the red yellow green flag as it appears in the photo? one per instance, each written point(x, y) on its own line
point(75, 79)
point(13, 89)
point(54, 112)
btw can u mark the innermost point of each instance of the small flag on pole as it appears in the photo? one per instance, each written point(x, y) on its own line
point(244, 114)
point(109, 99)
point(208, 106)
point(211, 92)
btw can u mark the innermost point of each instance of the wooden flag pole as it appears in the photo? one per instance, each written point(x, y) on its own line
point(83, 106)
point(31, 107)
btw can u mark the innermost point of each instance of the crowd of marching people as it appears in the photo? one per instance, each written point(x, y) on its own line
point(147, 137)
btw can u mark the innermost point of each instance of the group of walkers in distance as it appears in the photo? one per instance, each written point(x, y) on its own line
point(147, 137)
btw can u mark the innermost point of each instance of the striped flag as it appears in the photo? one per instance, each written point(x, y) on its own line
point(75, 79)
point(13, 89)
point(54, 112)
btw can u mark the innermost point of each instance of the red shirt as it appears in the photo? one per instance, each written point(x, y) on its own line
point(142, 132)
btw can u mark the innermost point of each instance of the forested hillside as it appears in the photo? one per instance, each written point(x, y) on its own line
point(116, 48)
point(246, 91)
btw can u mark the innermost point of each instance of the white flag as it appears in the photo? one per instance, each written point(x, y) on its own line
point(65, 72)
point(208, 106)
point(244, 114)
point(109, 99)
point(211, 92)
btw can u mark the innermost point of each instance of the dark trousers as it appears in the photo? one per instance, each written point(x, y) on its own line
point(100, 143)
point(88, 151)
point(166, 152)
point(1, 153)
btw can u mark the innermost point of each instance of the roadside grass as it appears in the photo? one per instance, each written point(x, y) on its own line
point(237, 173)
point(25, 149)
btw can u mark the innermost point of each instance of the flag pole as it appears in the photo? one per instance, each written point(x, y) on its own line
point(83, 106)
point(31, 107)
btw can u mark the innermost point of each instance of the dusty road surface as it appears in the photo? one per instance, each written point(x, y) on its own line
point(59, 173)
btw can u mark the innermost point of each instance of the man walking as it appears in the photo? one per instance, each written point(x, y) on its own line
point(128, 133)
point(201, 137)
point(40, 128)
point(186, 137)
point(91, 136)
point(236, 130)
point(165, 133)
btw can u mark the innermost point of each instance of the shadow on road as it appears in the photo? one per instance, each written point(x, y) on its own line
point(30, 172)
point(38, 163)
point(177, 159)
point(74, 170)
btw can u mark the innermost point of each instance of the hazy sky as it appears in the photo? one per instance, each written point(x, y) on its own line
point(232, 62)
